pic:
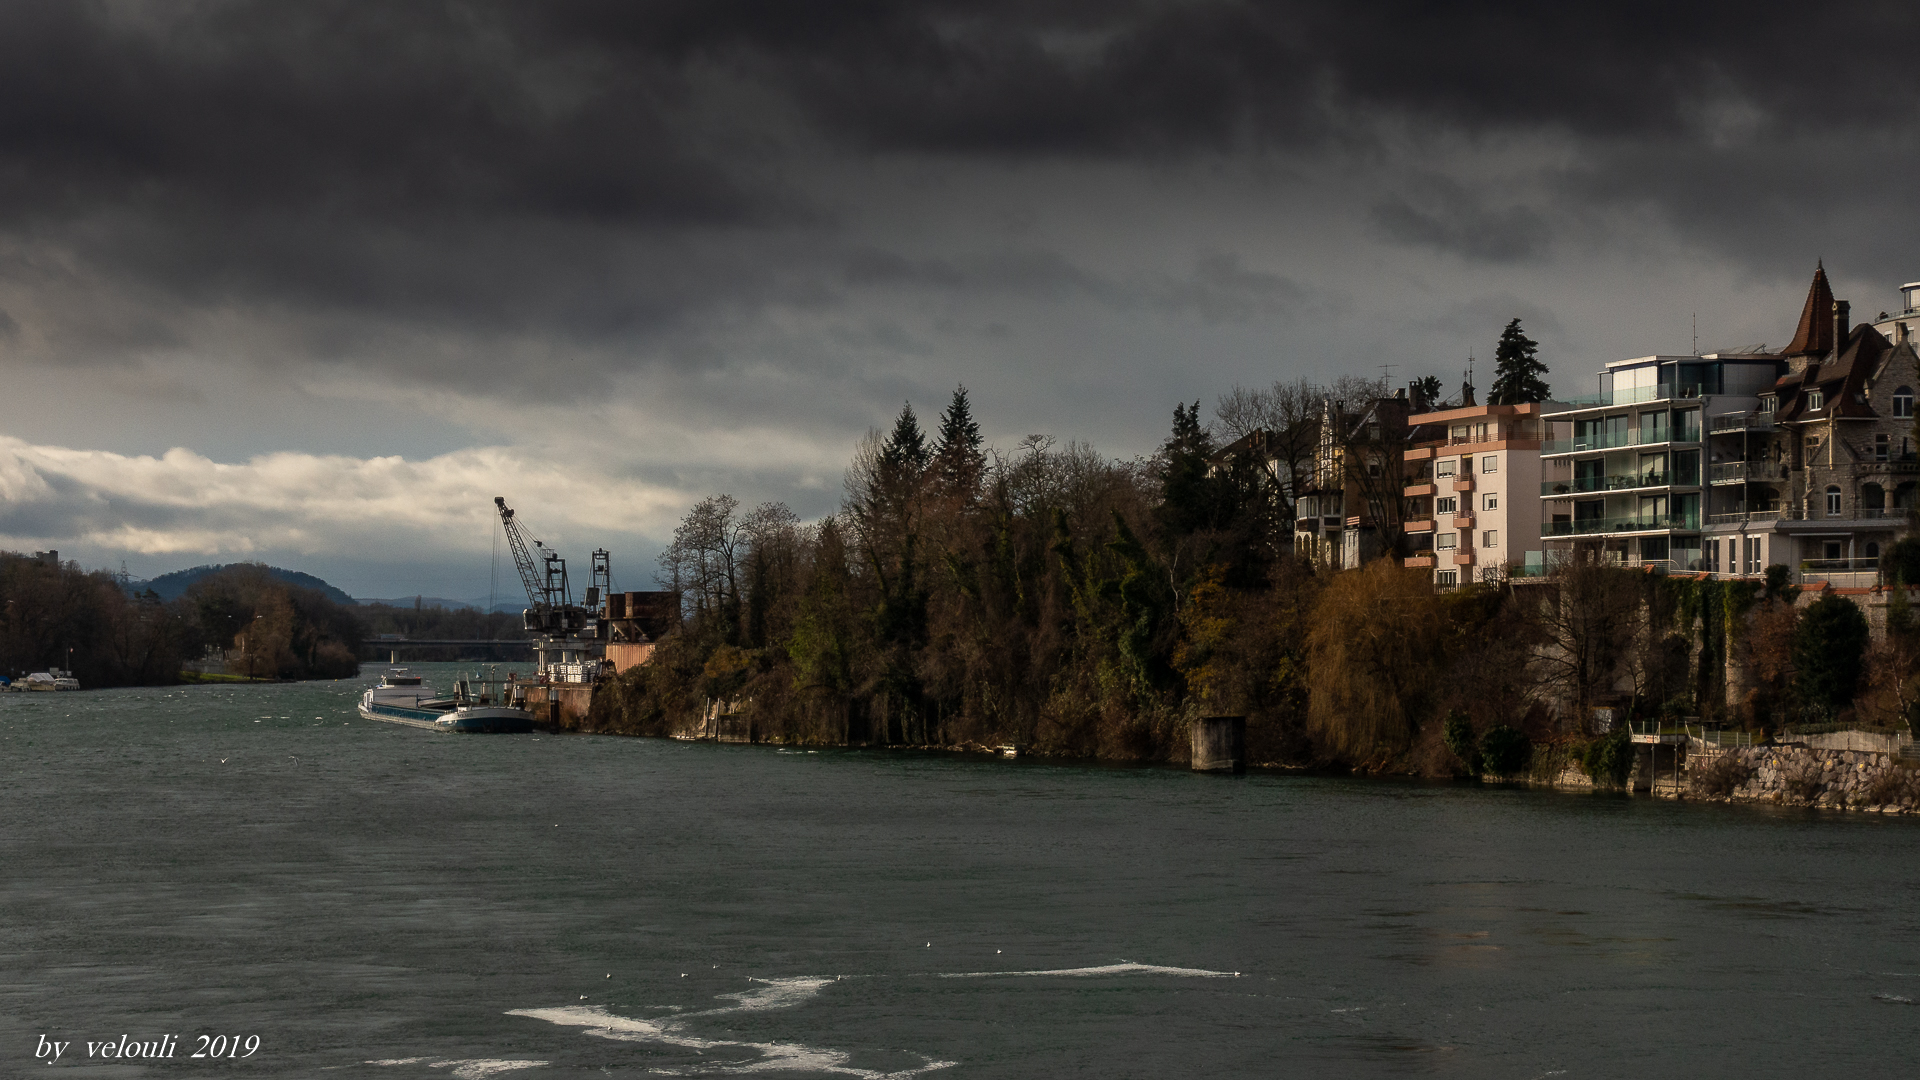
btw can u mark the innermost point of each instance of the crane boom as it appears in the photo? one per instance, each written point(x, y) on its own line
point(522, 558)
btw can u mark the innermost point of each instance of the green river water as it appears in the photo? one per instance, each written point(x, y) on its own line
point(378, 901)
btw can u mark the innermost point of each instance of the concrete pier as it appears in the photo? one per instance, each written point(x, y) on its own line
point(1220, 744)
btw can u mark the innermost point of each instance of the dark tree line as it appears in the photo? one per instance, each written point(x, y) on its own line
point(1076, 605)
point(91, 623)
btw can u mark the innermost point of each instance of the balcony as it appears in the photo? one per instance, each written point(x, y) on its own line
point(1628, 524)
point(1463, 521)
point(1422, 561)
point(1744, 517)
point(1746, 472)
point(1419, 489)
point(1463, 557)
point(1523, 434)
point(1419, 525)
point(1582, 485)
point(1744, 421)
point(1465, 483)
point(1616, 440)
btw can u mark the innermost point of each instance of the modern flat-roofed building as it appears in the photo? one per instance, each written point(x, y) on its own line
point(1626, 478)
point(1472, 495)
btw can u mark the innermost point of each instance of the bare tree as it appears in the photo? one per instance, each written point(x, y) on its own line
point(1591, 618)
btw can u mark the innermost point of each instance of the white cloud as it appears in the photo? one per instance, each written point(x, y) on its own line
point(380, 509)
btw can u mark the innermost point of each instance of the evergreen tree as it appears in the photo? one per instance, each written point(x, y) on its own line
point(959, 459)
point(1517, 373)
point(1190, 497)
point(1829, 649)
point(905, 451)
point(1427, 390)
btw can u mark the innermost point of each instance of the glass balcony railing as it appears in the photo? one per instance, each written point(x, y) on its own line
point(1630, 523)
point(1746, 421)
point(1611, 440)
point(1581, 485)
point(1634, 395)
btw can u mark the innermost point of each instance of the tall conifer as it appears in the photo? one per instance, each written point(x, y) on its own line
point(958, 457)
point(1517, 372)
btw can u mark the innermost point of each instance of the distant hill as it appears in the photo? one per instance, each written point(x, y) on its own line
point(170, 586)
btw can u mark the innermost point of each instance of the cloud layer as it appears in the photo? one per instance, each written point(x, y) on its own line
point(708, 244)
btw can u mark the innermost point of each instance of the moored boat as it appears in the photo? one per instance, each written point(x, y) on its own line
point(403, 698)
point(52, 679)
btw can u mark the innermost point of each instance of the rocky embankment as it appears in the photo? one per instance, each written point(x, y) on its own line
point(1801, 776)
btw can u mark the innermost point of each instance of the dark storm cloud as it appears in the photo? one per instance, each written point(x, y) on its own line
point(593, 173)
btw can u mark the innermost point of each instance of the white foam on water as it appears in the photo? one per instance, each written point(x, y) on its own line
point(1127, 968)
point(467, 1068)
point(772, 1057)
point(481, 1068)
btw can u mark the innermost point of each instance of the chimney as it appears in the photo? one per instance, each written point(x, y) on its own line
point(1842, 324)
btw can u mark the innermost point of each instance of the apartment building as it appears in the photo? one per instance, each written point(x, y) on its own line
point(1733, 462)
point(1627, 479)
point(1472, 494)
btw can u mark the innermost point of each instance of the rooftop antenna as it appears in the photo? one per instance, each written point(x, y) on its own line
point(1696, 334)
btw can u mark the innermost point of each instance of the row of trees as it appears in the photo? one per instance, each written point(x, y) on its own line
point(58, 615)
point(1050, 597)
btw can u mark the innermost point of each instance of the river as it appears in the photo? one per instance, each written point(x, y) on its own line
point(378, 901)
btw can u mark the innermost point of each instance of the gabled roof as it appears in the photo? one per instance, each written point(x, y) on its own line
point(1814, 337)
point(1842, 383)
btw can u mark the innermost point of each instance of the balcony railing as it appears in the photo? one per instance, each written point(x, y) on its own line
point(1581, 485)
point(1746, 421)
point(1633, 395)
point(1861, 513)
point(1742, 472)
point(1830, 565)
point(1515, 434)
point(1742, 517)
point(1617, 439)
point(1632, 523)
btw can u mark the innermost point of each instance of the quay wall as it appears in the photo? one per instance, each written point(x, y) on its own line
point(1831, 779)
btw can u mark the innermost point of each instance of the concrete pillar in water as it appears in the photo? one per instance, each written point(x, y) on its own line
point(1219, 744)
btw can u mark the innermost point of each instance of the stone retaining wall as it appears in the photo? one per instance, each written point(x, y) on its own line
point(1802, 776)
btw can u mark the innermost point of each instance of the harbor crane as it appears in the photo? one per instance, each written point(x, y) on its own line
point(551, 610)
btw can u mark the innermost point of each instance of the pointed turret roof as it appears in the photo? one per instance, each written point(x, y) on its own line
point(1815, 335)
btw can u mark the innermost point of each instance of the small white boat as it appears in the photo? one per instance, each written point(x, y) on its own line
point(52, 679)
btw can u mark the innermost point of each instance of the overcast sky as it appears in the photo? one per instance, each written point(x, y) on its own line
point(310, 283)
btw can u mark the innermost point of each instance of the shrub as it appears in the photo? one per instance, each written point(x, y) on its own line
point(1458, 735)
point(1504, 751)
point(1720, 775)
point(1609, 760)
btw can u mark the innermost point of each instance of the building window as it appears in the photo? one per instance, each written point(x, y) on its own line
point(1816, 401)
point(1873, 550)
point(1769, 403)
point(1446, 506)
point(1490, 538)
point(1444, 541)
point(1490, 501)
point(1490, 463)
point(1833, 501)
point(1903, 402)
point(1446, 579)
point(1447, 467)
point(1882, 447)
